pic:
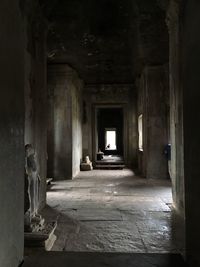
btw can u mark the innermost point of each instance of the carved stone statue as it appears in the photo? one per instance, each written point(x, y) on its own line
point(32, 179)
point(86, 165)
point(87, 160)
point(38, 234)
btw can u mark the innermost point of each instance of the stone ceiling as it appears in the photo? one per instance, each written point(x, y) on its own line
point(106, 41)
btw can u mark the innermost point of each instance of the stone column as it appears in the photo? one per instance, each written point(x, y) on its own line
point(176, 109)
point(191, 117)
point(184, 22)
point(60, 128)
point(174, 23)
point(155, 121)
point(12, 112)
point(65, 122)
point(36, 89)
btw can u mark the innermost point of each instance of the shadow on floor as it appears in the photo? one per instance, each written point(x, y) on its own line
point(94, 259)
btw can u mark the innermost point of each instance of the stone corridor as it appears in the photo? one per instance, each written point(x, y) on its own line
point(72, 73)
point(112, 211)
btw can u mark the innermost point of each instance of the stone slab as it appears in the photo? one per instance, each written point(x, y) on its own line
point(98, 215)
point(112, 211)
point(105, 241)
point(86, 167)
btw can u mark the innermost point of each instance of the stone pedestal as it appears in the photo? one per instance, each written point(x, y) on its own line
point(40, 240)
point(86, 166)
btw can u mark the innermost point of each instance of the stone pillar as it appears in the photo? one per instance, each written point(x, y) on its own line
point(191, 117)
point(184, 22)
point(154, 110)
point(60, 128)
point(174, 23)
point(12, 112)
point(64, 123)
point(176, 109)
point(36, 89)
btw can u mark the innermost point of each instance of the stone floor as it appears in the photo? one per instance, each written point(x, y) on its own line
point(112, 211)
point(85, 259)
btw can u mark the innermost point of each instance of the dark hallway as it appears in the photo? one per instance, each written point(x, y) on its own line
point(99, 150)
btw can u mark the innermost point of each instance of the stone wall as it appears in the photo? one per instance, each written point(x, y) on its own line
point(11, 134)
point(114, 95)
point(36, 89)
point(176, 107)
point(183, 23)
point(190, 65)
point(176, 113)
point(76, 98)
point(153, 105)
point(64, 122)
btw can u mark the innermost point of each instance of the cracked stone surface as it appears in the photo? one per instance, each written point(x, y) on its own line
point(112, 211)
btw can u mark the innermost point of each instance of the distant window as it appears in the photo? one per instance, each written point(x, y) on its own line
point(110, 136)
point(140, 130)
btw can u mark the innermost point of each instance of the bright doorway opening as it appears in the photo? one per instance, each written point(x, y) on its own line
point(110, 136)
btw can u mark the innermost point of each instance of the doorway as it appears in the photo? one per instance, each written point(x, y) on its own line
point(110, 131)
point(110, 138)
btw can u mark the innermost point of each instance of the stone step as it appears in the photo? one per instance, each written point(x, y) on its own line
point(109, 166)
point(101, 162)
